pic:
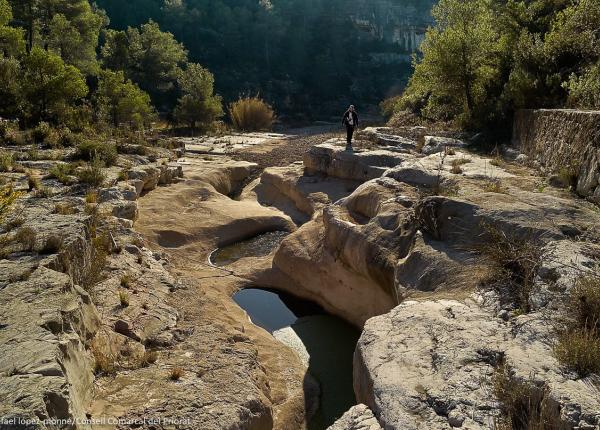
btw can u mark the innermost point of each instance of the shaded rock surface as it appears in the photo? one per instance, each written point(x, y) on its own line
point(566, 141)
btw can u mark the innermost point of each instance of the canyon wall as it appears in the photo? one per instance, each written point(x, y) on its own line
point(402, 25)
point(564, 142)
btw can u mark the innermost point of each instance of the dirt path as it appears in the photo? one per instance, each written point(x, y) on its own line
point(285, 152)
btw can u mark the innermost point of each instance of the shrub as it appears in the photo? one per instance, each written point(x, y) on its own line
point(495, 186)
point(578, 346)
point(15, 137)
point(26, 237)
point(41, 132)
point(8, 196)
point(126, 281)
point(524, 405)
point(6, 161)
point(176, 373)
point(62, 173)
point(92, 174)
point(90, 150)
point(52, 246)
point(514, 261)
point(251, 114)
point(123, 298)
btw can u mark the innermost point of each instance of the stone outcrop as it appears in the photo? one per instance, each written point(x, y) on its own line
point(401, 24)
point(331, 159)
point(437, 371)
point(563, 141)
point(360, 417)
point(414, 232)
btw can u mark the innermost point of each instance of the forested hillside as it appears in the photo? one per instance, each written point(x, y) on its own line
point(485, 59)
point(307, 57)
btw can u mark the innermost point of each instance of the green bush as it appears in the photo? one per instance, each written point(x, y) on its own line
point(252, 114)
point(41, 132)
point(6, 161)
point(92, 173)
point(62, 173)
point(89, 150)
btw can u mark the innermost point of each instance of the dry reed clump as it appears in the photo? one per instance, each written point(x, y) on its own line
point(578, 346)
point(252, 114)
point(524, 405)
point(514, 260)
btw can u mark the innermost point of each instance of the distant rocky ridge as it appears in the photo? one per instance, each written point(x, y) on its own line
point(402, 24)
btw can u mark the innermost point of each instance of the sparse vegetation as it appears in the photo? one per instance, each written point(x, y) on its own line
point(523, 404)
point(124, 298)
point(126, 281)
point(8, 196)
point(176, 373)
point(514, 259)
point(96, 151)
point(26, 237)
point(63, 173)
point(65, 209)
point(6, 161)
point(494, 186)
point(92, 174)
point(252, 114)
point(578, 346)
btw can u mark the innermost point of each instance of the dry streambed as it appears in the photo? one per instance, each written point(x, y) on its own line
point(387, 240)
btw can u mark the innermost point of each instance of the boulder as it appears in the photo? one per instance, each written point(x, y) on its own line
point(436, 144)
point(360, 417)
point(440, 373)
point(331, 159)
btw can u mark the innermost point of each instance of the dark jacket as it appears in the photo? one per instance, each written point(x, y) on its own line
point(347, 115)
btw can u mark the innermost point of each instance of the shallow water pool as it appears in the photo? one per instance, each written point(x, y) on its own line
point(328, 340)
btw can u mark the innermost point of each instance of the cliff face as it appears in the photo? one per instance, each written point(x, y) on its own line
point(400, 23)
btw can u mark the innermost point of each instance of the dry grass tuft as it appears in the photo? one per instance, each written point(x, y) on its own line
point(514, 260)
point(65, 209)
point(26, 237)
point(176, 374)
point(252, 114)
point(124, 298)
point(578, 346)
point(150, 357)
point(126, 281)
point(523, 404)
point(494, 186)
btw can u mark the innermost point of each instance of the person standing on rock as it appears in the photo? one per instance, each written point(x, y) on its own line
point(350, 120)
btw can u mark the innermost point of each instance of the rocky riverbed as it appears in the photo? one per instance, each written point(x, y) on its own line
point(388, 238)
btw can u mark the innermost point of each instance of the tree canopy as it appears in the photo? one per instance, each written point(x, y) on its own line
point(486, 58)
